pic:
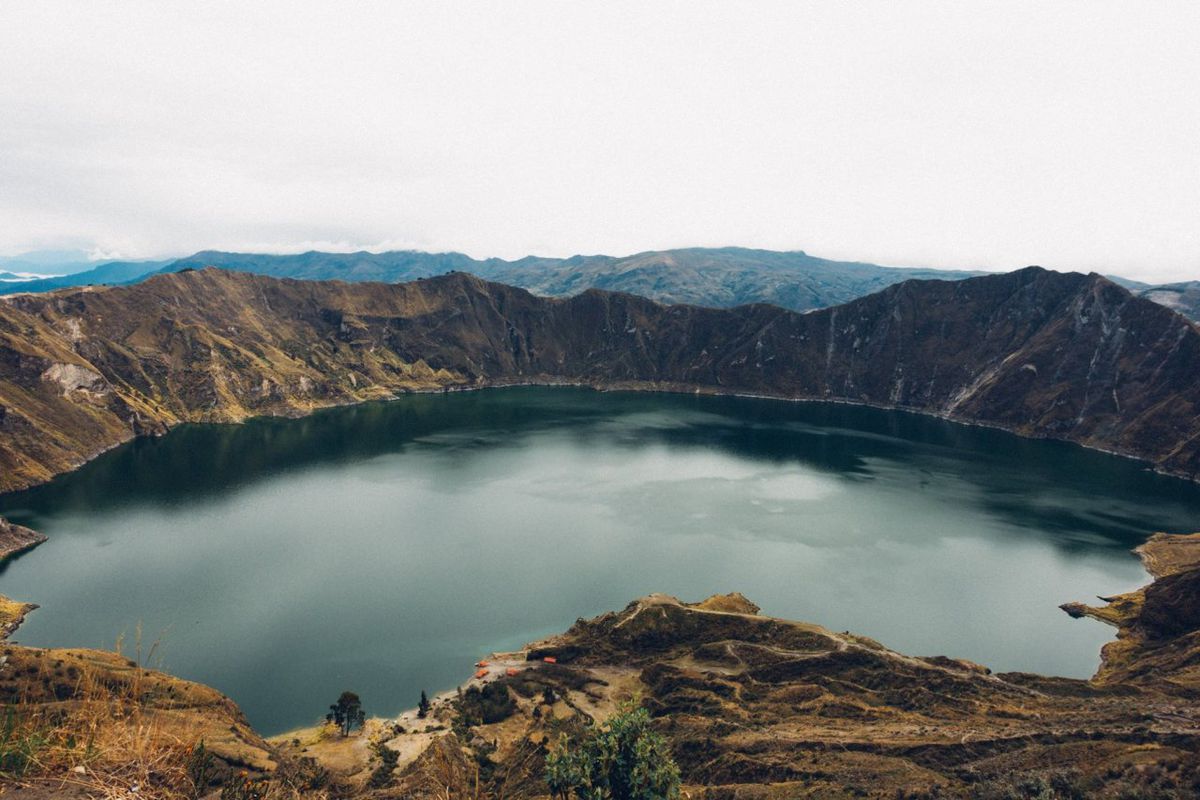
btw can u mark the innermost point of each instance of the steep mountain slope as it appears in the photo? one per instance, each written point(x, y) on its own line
point(1044, 354)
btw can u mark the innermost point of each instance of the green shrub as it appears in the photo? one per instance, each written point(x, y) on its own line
point(623, 759)
point(486, 706)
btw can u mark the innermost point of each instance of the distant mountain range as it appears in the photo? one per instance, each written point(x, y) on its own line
point(719, 278)
point(1046, 354)
point(714, 277)
point(106, 273)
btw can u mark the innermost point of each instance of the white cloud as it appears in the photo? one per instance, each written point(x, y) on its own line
point(100, 254)
point(951, 134)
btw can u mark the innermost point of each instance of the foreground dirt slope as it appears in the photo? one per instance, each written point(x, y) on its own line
point(87, 723)
point(1041, 353)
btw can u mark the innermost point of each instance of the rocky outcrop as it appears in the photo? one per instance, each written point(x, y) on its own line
point(12, 614)
point(16, 539)
point(1158, 626)
point(1067, 356)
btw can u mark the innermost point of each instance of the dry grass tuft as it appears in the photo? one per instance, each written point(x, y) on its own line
point(101, 741)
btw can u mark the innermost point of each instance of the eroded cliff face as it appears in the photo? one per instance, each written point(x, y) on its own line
point(1041, 353)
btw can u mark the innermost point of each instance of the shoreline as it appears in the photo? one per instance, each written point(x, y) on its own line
point(14, 540)
point(814, 689)
point(557, 384)
point(647, 387)
point(12, 614)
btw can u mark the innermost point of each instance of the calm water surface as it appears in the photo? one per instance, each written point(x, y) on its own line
point(384, 548)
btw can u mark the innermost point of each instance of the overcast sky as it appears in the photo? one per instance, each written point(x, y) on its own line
point(971, 134)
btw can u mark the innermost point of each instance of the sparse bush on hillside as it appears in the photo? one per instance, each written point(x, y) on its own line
point(242, 787)
point(485, 706)
point(199, 769)
point(381, 776)
point(1054, 786)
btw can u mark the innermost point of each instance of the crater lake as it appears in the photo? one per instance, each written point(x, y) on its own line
point(383, 548)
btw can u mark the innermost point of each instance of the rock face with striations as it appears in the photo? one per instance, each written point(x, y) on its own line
point(1068, 356)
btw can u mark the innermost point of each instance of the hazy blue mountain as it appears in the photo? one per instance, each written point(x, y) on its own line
point(390, 267)
point(48, 262)
point(720, 277)
point(1183, 297)
point(107, 272)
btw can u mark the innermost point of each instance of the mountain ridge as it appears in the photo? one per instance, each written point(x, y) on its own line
point(1055, 355)
point(721, 277)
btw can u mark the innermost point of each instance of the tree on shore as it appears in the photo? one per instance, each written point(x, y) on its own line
point(346, 713)
point(423, 706)
point(622, 759)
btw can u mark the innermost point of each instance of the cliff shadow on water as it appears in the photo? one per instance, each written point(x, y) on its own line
point(1064, 488)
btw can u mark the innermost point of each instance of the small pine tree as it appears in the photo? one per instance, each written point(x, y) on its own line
point(423, 706)
point(346, 713)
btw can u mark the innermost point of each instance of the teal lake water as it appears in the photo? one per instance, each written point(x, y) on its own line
point(384, 548)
